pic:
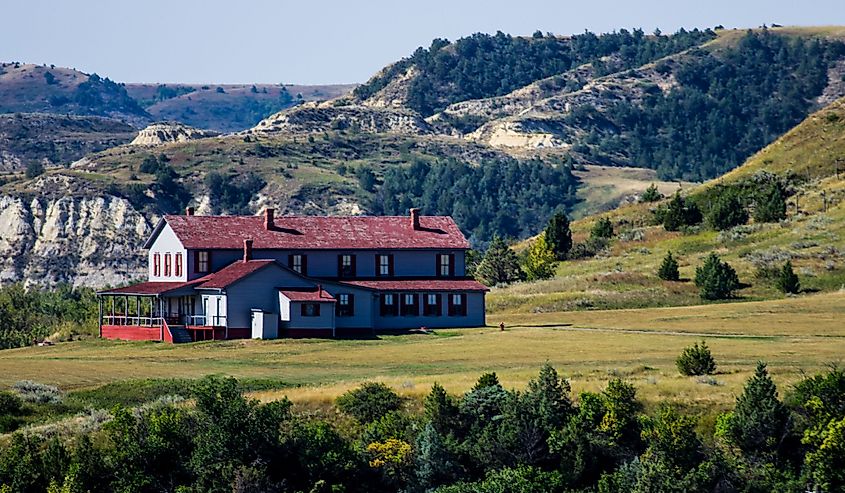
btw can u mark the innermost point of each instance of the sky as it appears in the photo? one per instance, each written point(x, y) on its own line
point(324, 42)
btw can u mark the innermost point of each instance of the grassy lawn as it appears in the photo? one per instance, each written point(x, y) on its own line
point(794, 336)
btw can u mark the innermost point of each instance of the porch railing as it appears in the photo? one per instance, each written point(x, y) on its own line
point(203, 320)
point(127, 320)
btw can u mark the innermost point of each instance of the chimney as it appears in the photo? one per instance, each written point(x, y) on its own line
point(189, 211)
point(319, 291)
point(268, 219)
point(247, 249)
point(415, 218)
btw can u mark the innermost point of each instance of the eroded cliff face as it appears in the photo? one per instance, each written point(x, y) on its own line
point(164, 132)
point(51, 238)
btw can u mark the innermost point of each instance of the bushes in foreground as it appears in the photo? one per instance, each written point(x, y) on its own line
point(488, 440)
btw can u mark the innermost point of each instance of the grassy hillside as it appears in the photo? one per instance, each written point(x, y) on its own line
point(56, 139)
point(225, 107)
point(625, 275)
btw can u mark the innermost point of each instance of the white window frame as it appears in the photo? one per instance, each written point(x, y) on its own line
point(297, 263)
point(444, 264)
point(384, 265)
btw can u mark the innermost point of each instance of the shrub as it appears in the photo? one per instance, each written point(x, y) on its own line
point(603, 228)
point(40, 393)
point(770, 206)
point(787, 281)
point(716, 280)
point(33, 169)
point(369, 402)
point(678, 213)
point(727, 211)
point(668, 270)
point(696, 360)
point(651, 194)
point(10, 404)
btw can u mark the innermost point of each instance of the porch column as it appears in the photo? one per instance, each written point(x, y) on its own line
point(100, 315)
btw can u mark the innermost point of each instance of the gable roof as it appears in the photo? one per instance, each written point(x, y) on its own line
point(232, 273)
point(315, 232)
point(316, 294)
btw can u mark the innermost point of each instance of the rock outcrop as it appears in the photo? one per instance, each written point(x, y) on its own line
point(164, 132)
point(63, 237)
point(342, 114)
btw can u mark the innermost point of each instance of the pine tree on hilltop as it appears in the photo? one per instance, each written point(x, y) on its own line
point(668, 270)
point(559, 235)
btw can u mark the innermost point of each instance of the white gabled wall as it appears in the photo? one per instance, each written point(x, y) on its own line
point(167, 242)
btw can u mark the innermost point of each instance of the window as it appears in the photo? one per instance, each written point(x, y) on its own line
point(298, 263)
point(346, 265)
point(457, 305)
point(179, 265)
point(409, 305)
point(389, 307)
point(384, 265)
point(156, 264)
point(203, 261)
point(431, 307)
point(445, 265)
point(167, 265)
point(310, 309)
point(345, 305)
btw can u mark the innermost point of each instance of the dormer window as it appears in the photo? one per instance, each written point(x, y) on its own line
point(384, 265)
point(346, 265)
point(203, 262)
point(156, 264)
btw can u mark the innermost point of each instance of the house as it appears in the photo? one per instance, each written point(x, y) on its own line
point(229, 277)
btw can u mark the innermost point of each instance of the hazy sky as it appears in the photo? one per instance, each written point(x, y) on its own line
point(327, 41)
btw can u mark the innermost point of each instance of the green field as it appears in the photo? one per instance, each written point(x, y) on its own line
point(798, 335)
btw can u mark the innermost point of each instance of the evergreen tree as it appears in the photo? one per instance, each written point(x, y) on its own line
point(696, 360)
point(603, 228)
point(715, 279)
point(549, 396)
point(651, 194)
point(440, 410)
point(787, 281)
point(435, 464)
point(559, 235)
point(539, 261)
point(759, 421)
point(727, 211)
point(770, 206)
point(500, 264)
point(668, 270)
point(679, 213)
point(487, 380)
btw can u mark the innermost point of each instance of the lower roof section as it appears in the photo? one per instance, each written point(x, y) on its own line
point(150, 288)
point(418, 285)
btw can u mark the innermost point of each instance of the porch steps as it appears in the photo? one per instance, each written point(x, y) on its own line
point(180, 334)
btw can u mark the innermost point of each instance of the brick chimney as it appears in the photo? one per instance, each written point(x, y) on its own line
point(189, 211)
point(269, 218)
point(415, 218)
point(319, 291)
point(247, 249)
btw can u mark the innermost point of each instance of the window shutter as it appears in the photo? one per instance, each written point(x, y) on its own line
point(437, 310)
point(290, 261)
point(390, 265)
point(350, 309)
point(415, 309)
point(437, 265)
point(340, 265)
point(452, 265)
point(352, 266)
point(305, 265)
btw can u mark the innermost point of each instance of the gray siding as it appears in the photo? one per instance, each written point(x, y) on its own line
point(297, 321)
point(259, 291)
point(406, 263)
point(473, 318)
point(364, 312)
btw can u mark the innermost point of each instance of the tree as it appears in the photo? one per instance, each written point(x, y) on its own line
point(668, 270)
point(787, 281)
point(696, 360)
point(435, 464)
point(716, 280)
point(549, 396)
point(758, 423)
point(440, 410)
point(770, 205)
point(559, 235)
point(727, 211)
point(366, 178)
point(500, 264)
point(679, 213)
point(34, 169)
point(603, 228)
point(651, 194)
point(369, 402)
point(540, 261)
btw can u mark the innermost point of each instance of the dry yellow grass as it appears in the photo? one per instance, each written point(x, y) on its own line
point(794, 336)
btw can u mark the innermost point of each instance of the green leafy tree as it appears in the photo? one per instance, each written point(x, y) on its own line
point(716, 280)
point(759, 422)
point(787, 281)
point(602, 228)
point(500, 264)
point(559, 235)
point(770, 205)
point(369, 402)
point(651, 194)
point(539, 261)
point(826, 463)
point(726, 211)
point(668, 270)
point(696, 360)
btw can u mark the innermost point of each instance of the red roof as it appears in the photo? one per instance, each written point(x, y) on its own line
point(421, 285)
point(317, 232)
point(319, 295)
point(232, 273)
point(149, 288)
